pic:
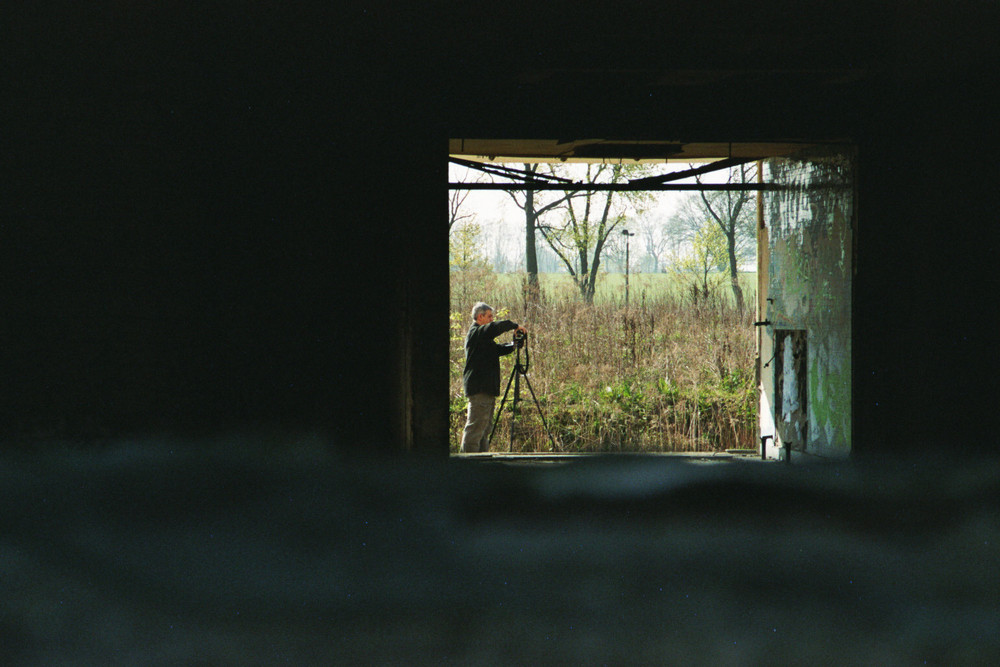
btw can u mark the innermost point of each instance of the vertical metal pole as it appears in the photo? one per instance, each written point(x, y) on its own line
point(626, 270)
point(626, 234)
point(763, 260)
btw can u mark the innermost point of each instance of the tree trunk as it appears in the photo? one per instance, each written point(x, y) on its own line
point(590, 288)
point(734, 276)
point(584, 282)
point(530, 254)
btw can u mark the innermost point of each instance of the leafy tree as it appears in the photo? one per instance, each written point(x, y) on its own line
point(465, 248)
point(709, 252)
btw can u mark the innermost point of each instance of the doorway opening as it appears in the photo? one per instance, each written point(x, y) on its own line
point(652, 263)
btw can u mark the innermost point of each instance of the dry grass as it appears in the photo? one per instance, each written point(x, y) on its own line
point(662, 374)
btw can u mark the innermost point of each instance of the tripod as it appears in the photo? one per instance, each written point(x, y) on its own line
point(520, 370)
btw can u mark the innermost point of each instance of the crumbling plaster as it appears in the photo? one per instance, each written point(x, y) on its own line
point(810, 259)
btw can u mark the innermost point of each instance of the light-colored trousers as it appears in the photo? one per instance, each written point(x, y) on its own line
point(476, 436)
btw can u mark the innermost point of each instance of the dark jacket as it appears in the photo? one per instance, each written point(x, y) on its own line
point(482, 357)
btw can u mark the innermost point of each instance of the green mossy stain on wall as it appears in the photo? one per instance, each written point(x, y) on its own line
point(810, 239)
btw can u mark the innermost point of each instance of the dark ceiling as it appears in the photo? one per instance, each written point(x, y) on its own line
point(639, 83)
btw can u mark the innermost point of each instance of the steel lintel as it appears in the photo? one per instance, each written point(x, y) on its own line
point(619, 187)
point(696, 171)
point(506, 171)
point(525, 180)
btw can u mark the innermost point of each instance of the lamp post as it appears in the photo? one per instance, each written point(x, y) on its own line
point(626, 234)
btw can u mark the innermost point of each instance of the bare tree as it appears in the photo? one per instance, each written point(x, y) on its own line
point(507, 252)
point(533, 207)
point(456, 213)
point(733, 213)
point(655, 239)
point(590, 219)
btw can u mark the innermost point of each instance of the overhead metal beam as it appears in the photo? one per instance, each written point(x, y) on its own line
point(509, 172)
point(696, 171)
point(660, 182)
point(620, 187)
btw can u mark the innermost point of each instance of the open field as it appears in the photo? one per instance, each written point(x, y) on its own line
point(664, 373)
point(611, 286)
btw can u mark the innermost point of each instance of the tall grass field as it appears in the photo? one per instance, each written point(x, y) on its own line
point(668, 371)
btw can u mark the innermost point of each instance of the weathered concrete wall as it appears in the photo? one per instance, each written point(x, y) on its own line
point(808, 299)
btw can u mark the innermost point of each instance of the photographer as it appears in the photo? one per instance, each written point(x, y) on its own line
point(482, 373)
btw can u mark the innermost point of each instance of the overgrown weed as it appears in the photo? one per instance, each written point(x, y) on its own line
point(661, 374)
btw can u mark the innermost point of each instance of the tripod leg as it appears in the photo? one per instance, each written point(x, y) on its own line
point(496, 420)
point(513, 404)
point(540, 413)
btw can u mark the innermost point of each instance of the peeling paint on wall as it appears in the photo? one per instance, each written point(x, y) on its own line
point(789, 399)
point(791, 386)
point(810, 246)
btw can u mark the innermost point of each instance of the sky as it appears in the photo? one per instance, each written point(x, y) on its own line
point(498, 215)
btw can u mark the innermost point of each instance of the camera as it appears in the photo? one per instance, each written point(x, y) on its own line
point(520, 337)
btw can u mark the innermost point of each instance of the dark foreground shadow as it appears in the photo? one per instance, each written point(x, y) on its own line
point(164, 553)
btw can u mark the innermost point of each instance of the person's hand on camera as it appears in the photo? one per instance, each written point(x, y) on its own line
point(520, 335)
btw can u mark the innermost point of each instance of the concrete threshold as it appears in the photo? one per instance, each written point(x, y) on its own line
point(555, 458)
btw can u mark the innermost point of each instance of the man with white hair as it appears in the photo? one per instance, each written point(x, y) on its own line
point(482, 374)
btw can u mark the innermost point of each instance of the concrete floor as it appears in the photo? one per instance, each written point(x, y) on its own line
point(545, 458)
point(187, 555)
